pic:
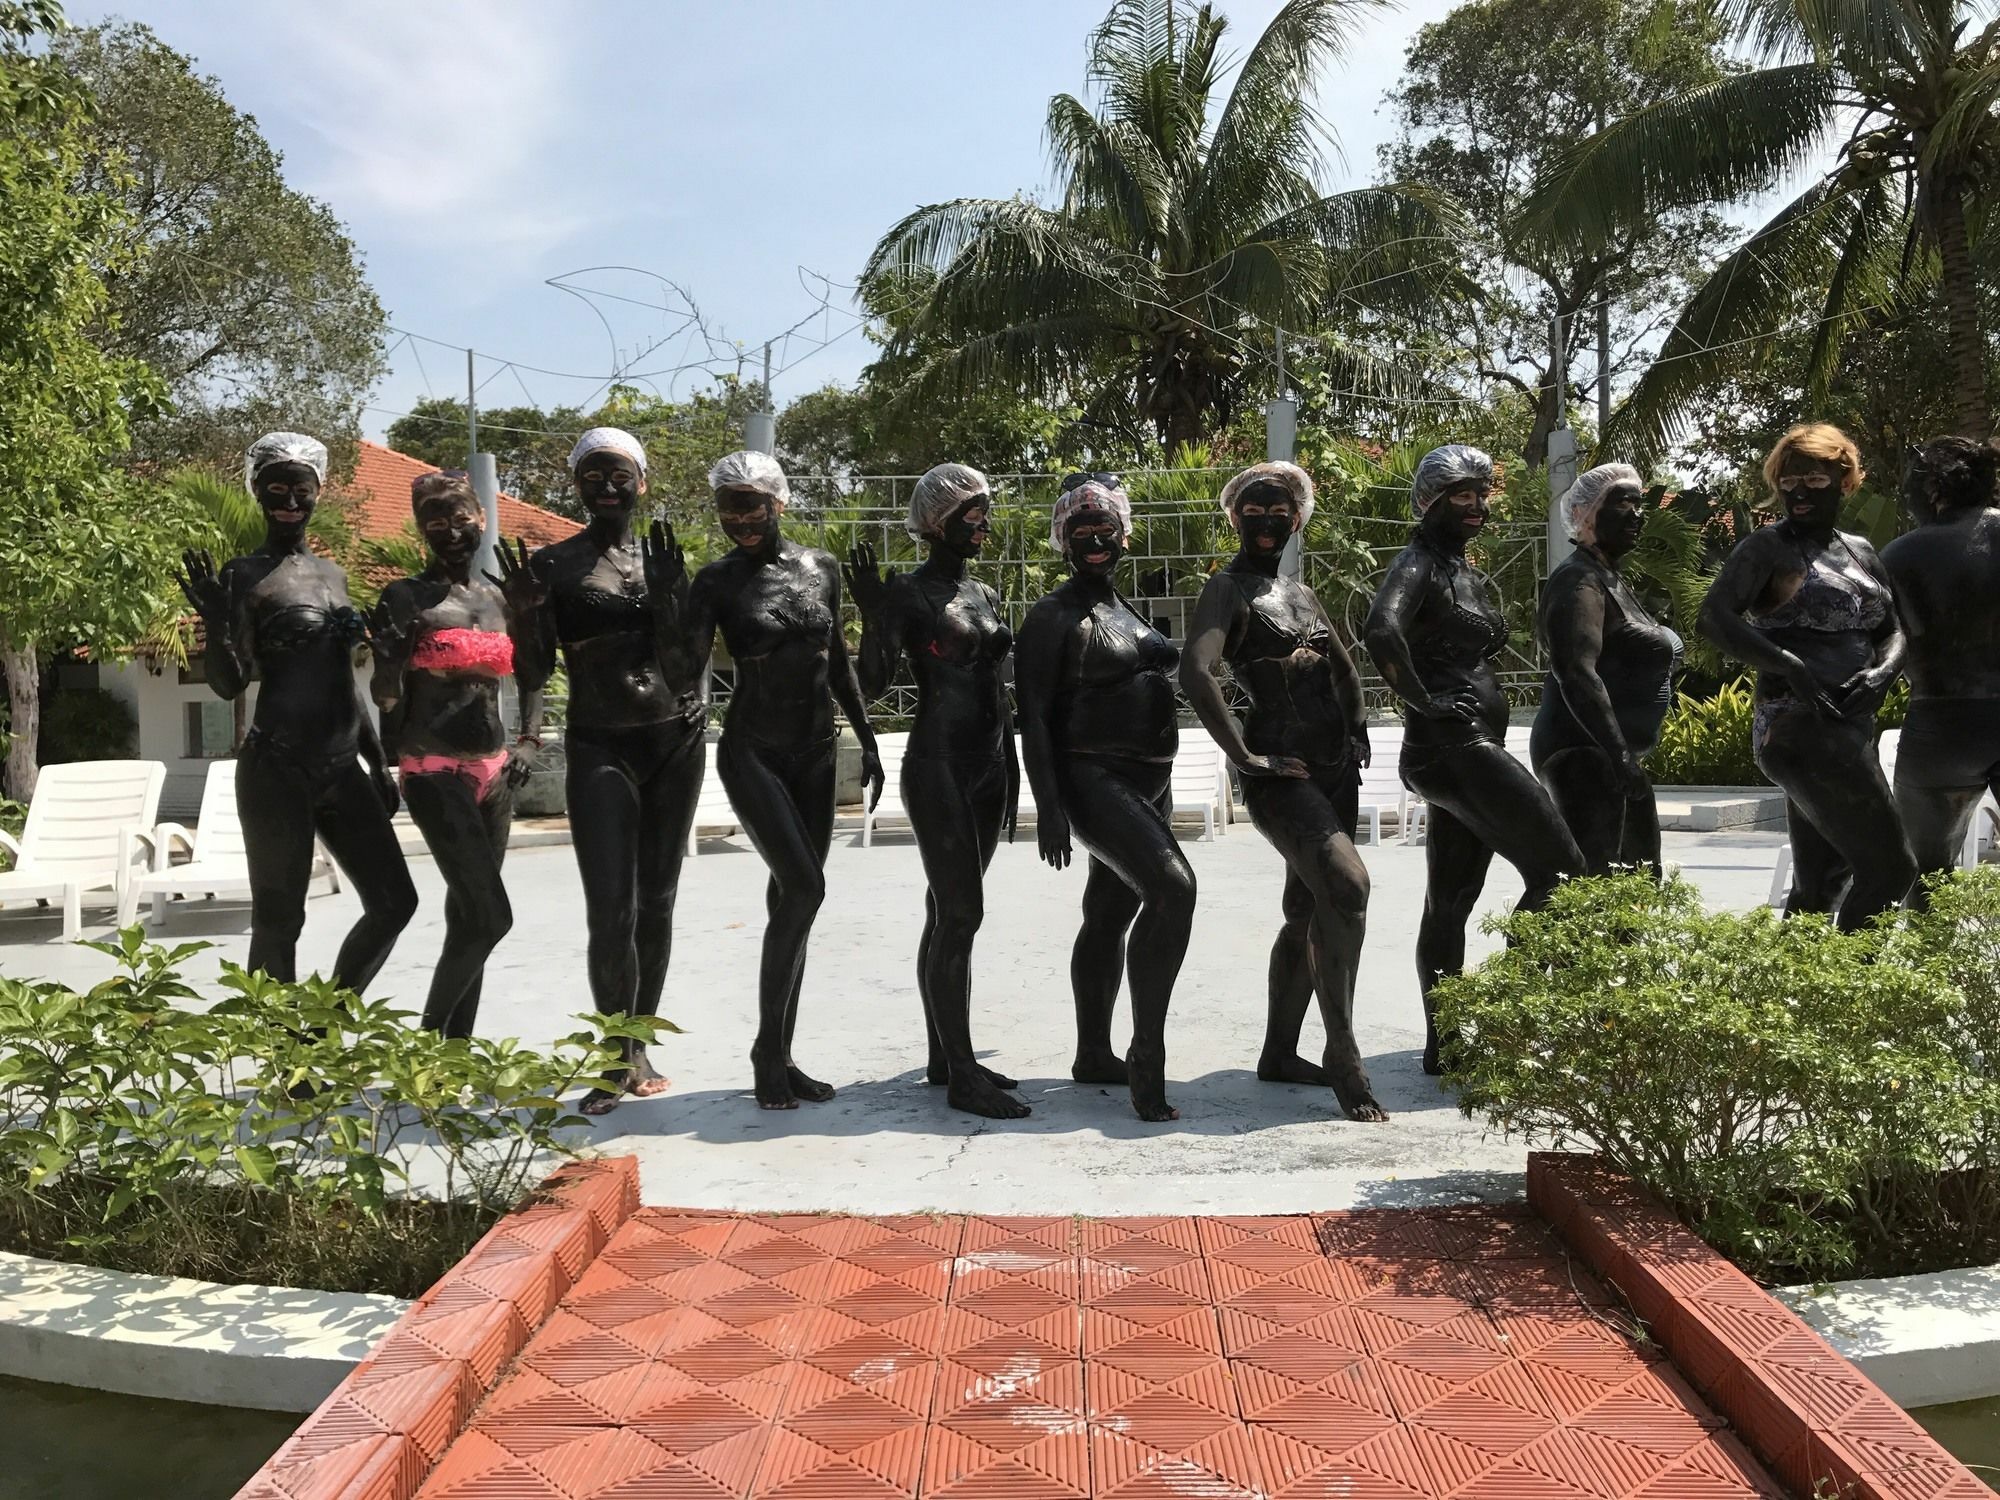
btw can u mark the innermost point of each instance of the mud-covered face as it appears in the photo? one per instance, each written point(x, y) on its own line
point(749, 518)
point(452, 526)
point(1810, 490)
point(1460, 513)
point(288, 494)
point(966, 529)
point(1620, 518)
point(1265, 519)
point(609, 483)
point(1096, 541)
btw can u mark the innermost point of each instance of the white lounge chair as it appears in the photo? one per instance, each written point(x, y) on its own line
point(891, 747)
point(217, 863)
point(1382, 788)
point(1200, 781)
point(713, 812)
point(89, 822)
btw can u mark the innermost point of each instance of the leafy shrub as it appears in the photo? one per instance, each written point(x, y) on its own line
point(1815, 1102)
point(1706, 741)
point(86, 723)
point(13, 818)
point(289, 1134)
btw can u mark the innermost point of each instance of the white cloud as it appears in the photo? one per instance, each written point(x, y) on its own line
point(441, 121)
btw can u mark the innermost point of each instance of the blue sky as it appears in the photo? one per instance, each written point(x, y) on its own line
point(475, 148)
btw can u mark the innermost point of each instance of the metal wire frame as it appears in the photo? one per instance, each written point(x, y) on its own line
point(1179, 537)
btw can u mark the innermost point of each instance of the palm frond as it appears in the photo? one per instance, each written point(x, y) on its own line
point(1265, 138)
point(1715, 142)
point(1108, 175)
point(1747, 300)
point(931, 238)
point(1880, 33)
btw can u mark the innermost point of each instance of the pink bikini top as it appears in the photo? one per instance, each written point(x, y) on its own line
point(464, 650)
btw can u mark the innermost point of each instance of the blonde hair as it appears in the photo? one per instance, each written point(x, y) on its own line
point(1821, 441)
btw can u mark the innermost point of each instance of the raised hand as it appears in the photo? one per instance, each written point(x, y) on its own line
point(524, 589)
point(388, 637)
point(202, 585)
point(665, 562)
point(865, 584)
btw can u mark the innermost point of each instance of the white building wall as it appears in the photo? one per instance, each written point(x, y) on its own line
point(158, 699)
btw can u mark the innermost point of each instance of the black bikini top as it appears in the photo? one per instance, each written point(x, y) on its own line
point(1470, 630)
point(1121, 645)
point(291, 628)
point(1269, 635)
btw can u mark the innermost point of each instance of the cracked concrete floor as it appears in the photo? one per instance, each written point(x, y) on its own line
point(888, 1142)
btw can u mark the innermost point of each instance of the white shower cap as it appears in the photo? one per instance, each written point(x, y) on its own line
point(1444, 469)
point(1287, 476)
point(941, 491)
point(284, 448)
point(749, 470)
point(608, 440)
point(1581, 499)
point(1092, 492)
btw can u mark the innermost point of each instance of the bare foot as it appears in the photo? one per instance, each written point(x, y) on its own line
point(940, 1072)
point(1361, 1106)
point(1099, 1067)
point(809, 1089)
point(979, 1096)
point(1282, 1069)
point(773, 1084)
point(643, 1080)
point(1149, 1089)
point(598, 1102)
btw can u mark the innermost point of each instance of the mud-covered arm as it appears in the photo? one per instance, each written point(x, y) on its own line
point(231, 637)
point(1745, 574)
point(883, 605)
point(1038, 653)
point(1346, 685)
point(840, 665)
point(1574, 620)
point(1216, 615)
point(1387, 634)
point(1891, 642)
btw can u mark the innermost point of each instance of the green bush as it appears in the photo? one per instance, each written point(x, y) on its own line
point(1706, 741)
point(86, 723)
point(288, 1134)
point(1817, 1103)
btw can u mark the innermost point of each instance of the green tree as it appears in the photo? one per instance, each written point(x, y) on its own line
point(82, 559)
point(531, 446)
point(1905, 91)
point(1181, 234)
point(251, 300)
point(1491, 95)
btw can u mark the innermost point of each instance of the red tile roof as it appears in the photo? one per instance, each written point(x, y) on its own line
point(378, 501)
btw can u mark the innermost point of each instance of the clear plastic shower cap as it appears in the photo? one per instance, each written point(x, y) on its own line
point(1287, 476)
point(284, 448)
point(1444, 469)
point(1093, 491)
point(1581, 499)
point(608, 440)
point(748, 470)
point(941, 491)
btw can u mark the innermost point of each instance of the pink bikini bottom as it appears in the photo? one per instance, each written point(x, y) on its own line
point(482, 772)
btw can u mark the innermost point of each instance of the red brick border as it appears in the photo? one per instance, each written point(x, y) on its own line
point(1822, 1426)
point(377, 1436)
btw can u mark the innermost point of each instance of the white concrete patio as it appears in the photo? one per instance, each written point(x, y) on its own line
point(888, 1142)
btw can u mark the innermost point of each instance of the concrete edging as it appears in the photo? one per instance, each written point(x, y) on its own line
point(1821, 1425)
point(257, 1347)
point(1926, 1340)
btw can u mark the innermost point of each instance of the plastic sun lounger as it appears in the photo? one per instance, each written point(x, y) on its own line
point(86, 827)
point(712, 810)
point(892, 748)
point(218, 863)
point(1200, 782)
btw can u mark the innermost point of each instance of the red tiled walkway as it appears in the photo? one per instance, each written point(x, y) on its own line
point(1448, 1352)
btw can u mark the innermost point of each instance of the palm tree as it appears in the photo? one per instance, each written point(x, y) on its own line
point(1178, 242)
point(1906, 90)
